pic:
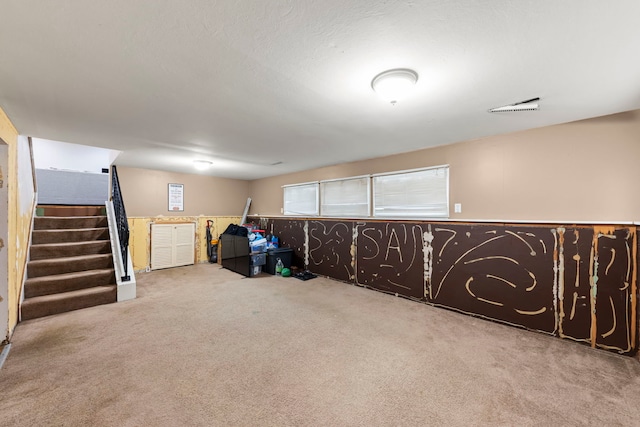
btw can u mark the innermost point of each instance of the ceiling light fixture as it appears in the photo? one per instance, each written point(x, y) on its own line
point(392, 85)
point(202, 164)
point(528, 105)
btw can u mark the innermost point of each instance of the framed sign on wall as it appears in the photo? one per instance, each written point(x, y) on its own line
point(176, 197)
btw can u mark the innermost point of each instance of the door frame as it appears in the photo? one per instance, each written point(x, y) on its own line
point(4, 238)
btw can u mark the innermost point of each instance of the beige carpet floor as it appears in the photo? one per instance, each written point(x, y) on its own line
point(203, 346)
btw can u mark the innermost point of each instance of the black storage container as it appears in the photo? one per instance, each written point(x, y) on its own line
point(235, 254)
point(285, 254)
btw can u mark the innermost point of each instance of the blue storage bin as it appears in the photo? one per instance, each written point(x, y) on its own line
point(258, 259)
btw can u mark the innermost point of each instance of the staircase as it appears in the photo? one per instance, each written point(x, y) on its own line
point(71, 266)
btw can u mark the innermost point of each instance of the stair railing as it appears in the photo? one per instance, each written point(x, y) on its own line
point(121, 221)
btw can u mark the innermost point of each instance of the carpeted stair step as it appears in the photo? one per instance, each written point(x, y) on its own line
point(47, 267)
point(47, 305)
point(61, 210)
point(69, 235)
point(69, 249)
point(56, 222)
point(71, 265)
point(46, 285)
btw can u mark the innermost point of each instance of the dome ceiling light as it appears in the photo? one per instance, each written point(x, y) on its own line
point(396, 84)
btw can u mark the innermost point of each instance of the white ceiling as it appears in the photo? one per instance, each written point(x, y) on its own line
point(246, 84)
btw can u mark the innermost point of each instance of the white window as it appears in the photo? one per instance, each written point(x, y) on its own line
point(348, 197)
point(419, 193)
point(301, 199)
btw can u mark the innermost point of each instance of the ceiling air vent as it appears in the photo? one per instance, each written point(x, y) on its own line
point(528, 105)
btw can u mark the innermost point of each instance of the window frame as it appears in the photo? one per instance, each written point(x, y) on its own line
point(442, 214)
point(316, 184)
point(349, 214)
point(407, 215)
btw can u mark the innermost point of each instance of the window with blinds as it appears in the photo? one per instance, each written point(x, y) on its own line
point(348, 197)
point(301, 199)
point(420, 193)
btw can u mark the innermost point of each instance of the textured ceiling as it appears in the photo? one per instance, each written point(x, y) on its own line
point(247, 84)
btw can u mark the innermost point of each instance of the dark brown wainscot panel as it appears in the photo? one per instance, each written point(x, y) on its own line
point(575, 282)
point(291, 234)
point(390, 258)
point(572, 252)
point(613, 279)
point(499, 272)
point(330, 246)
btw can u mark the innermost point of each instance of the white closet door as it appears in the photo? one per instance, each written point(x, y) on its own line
point(172, 245)
point(161, 246)
point(184, 244)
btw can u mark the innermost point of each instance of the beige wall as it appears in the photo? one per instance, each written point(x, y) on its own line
point(20, 212)
point(145, 193)
point(205, 198)
point(580, 171)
